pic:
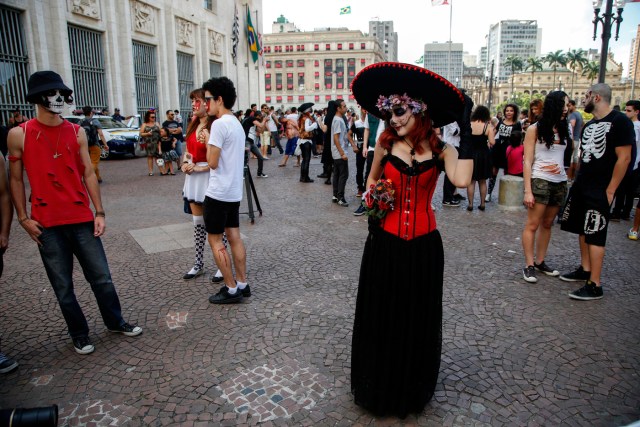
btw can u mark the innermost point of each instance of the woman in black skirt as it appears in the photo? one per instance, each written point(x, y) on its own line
point(398, 321)
point(482, 139)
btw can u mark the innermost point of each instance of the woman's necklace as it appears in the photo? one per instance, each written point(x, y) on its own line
point(56, 154)
point(412, 152)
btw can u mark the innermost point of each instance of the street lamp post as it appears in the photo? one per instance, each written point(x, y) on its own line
point(607, 20)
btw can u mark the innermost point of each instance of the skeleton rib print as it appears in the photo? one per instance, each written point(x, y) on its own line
point(594, 141)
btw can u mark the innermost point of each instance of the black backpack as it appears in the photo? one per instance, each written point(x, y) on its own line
point(91, 131)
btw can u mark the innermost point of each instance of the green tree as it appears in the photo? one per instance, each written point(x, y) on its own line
point(576, 58)
point(591, 70)
point(515, 63)
point(534, 64)
point(555, 59)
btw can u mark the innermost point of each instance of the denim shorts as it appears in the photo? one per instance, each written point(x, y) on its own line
point(549, 193)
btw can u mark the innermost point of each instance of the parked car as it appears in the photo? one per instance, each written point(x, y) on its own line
point(121, 139)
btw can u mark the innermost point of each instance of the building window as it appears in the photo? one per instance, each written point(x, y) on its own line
point(327, 46)
point(289, 63)
point(289, 81)
point(316, 47)
point(185, 82)
point(146, 76)
point(267, 81)
point(339, 46)
point(300, 62)
point(278, 81)
point(350, 46)
point(363, 46)
point(87, 67)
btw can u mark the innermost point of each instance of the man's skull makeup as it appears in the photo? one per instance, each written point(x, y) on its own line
point(54, 101)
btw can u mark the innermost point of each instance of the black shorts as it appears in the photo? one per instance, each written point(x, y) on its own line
point(220, 215)
point(586, 213)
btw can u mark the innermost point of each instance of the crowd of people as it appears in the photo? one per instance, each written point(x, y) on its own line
point(412, 126)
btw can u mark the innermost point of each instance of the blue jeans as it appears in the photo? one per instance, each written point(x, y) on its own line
point(59, 245)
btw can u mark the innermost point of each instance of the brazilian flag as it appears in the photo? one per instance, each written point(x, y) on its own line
point(345, 10)
point(252, 38)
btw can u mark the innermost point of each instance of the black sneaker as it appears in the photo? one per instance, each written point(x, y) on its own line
point(128, 330)
point(7, 364)
point(360, 211)
point(224, 297)
point(342, 202)
point(544, 268)
point(576, 276)
point(588, 292)
point(83, 345)
point(529, 274)
point(246, 292)
point(451, 203)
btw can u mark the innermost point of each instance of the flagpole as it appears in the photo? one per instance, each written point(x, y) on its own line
point(450, 21)
point(248, 64)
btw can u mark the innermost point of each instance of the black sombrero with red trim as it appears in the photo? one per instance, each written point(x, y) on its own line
point(444, 101)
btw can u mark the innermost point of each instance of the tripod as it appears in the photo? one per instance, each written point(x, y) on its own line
point(250, 190)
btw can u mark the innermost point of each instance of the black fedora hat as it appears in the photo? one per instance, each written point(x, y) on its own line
point(44, 81)
point(444, 101)
point(304, 107)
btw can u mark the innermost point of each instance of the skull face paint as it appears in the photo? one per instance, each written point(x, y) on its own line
point(53, 101)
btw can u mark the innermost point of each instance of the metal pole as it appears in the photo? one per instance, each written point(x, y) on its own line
point(606, 35)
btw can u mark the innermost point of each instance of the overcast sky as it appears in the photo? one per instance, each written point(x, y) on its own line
point(566, 24)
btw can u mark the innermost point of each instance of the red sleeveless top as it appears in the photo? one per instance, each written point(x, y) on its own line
point(412, 215)
point(197, 149)
point(58, 194)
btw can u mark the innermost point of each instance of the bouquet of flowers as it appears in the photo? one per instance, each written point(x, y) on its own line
point(378, 200)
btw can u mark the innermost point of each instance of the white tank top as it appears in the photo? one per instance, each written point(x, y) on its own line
point(548, 163)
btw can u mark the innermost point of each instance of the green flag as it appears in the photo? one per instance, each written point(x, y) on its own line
point(420, 60)
point(345, 10)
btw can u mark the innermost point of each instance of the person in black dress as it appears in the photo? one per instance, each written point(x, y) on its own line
point(397, 332)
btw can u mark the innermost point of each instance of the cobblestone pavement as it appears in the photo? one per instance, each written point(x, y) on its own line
point(513, 353)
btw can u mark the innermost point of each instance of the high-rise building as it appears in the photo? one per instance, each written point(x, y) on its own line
point(512, 37)
point(444, 59)
point(388, 39)
point(314, 66)
point(634, 58)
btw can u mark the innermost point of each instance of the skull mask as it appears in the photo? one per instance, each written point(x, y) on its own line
point(54, 101)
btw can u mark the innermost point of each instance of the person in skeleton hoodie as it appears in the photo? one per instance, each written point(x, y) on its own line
point(605, 152)
point(54, 154)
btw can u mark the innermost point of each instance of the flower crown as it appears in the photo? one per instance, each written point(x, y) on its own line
point(392, 101)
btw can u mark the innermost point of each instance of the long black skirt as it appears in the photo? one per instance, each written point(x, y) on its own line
point(397, 332)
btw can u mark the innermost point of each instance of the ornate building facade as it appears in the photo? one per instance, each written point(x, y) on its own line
point(314, 66)
point(130, 54)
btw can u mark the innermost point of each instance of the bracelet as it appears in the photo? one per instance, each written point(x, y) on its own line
point(100, 213)
point(20, 221)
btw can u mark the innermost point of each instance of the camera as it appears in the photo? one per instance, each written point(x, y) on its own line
point(29, 417)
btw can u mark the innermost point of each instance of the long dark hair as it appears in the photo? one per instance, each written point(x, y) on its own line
point(195, 120)
point(552, 116)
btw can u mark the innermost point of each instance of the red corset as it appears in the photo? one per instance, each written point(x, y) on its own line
point(412, 215)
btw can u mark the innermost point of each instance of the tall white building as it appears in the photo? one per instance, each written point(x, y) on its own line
point(388, 39)
point(134, 55)
point(512, 37)
point(445, 59)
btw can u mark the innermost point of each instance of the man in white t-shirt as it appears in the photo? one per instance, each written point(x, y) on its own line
point(225, 156)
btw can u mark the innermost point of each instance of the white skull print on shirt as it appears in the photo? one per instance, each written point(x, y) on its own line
point(599, 141)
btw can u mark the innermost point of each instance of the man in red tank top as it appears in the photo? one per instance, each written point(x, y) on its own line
point(61, 221)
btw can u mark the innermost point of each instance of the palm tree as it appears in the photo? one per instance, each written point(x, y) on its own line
point(575, 58)
point(555, 60)
point(591, 70)
point(534, 64)
point(515, 63)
